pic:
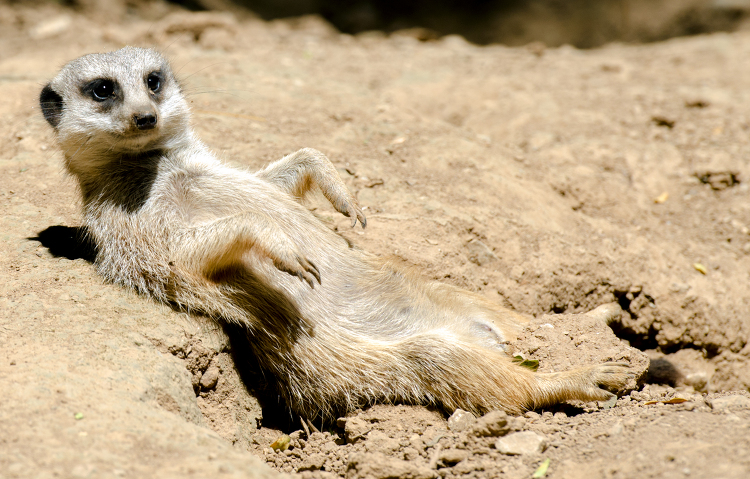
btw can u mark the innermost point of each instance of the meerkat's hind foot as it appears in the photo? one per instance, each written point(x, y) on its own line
point(590, 383)
point(609, 377)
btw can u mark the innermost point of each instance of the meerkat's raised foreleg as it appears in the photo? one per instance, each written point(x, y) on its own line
point(297, 173)
point(209, 248)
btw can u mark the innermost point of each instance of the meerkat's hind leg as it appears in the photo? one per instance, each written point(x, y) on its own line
point(299, 172)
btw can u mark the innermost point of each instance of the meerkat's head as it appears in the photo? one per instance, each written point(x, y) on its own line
point(104, 105)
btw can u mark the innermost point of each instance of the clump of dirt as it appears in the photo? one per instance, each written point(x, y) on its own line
point(411, 442)
point(221, 395)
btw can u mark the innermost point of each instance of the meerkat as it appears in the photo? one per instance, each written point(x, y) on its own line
point(337, 328)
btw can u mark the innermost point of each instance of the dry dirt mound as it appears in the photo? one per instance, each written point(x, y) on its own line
point(550, 180)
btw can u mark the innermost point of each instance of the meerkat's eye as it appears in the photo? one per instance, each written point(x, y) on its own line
point(102, 90)
point(153, 81)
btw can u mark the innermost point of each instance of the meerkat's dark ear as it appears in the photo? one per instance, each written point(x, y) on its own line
point(52, 105)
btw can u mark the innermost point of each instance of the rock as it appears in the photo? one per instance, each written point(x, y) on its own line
point(461, 420)
point(524, 442)
point(698, 381)
point(494, 423)
point(313, 462)
point(732, 402)
point(210, 378)
point(194, 23)
point(380, 466)
point(355, 429)
point(453, 456)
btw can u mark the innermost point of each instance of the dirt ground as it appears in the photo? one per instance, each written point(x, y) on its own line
point(552, 181)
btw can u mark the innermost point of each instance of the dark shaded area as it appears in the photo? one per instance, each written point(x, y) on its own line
point(259, 383)
point(636, 340)
point(569, 410)
point(582, 23)
point(662, 371)
point(648, 340)
point(71, 242)
point(470, 18)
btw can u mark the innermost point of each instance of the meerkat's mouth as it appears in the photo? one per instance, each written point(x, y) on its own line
point(138, 139)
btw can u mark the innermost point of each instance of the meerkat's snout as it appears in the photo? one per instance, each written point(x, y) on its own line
point(145, 120)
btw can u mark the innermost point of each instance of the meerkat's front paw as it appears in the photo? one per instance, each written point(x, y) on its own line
point(297, 265)
point(349, 207)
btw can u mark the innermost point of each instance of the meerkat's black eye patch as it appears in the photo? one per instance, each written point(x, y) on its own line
point(101, 89)
point(154, 81)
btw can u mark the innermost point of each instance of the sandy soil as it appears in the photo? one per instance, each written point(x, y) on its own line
point(549, 180)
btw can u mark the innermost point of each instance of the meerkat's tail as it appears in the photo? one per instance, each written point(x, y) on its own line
point(429, 368)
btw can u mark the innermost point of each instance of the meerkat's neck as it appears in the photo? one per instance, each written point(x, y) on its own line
point(124, 178)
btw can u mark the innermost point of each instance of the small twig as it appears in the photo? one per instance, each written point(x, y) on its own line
point(304, 426)
point(434, 441)
point(312, 426)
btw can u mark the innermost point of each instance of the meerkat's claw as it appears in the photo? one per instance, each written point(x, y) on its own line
point(353, 211)
point(300, 267)
point(309, 273)
point(362, 220)
point(314, 270)
point(306, 278)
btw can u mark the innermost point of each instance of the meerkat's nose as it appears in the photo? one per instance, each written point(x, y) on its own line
point(144, 121)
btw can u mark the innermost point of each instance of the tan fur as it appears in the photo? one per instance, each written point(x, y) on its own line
point(174, 223)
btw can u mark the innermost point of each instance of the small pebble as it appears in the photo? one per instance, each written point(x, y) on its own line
point(521, 443)
point(210, 378)
point(494, 423)
point(461, 420)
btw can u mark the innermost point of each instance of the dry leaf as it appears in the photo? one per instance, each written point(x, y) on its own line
point(541, 471)
point(661, 198)
point(282, 443)
point(532, 364)
point(667, 401)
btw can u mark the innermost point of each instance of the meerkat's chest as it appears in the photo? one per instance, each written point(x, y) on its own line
point(202, 197)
